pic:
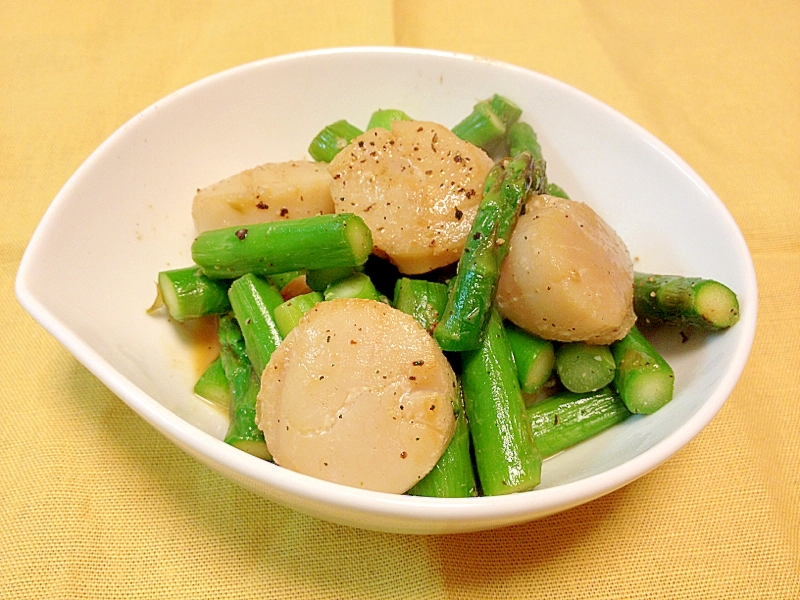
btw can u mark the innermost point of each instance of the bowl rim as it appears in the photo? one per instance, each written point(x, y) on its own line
point(205, 447)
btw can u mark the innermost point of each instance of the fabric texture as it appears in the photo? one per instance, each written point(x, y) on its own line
point(96, 504)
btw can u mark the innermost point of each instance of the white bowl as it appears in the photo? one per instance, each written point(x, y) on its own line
point(88, 275)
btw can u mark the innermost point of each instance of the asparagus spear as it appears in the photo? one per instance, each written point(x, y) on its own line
point(254, 301)
point(521, 137)
point(583, 367)
point(330, 141)
point(567, 418)
point(453, 476)
point(677, 300)
point(356, 285)
point(213, 385)
point(472, 294)
point(643, 379)
point(282, 279)
point(482, 127)
point(243, 433)
point(320, 242)
point(188, 293)
point(423, 300)
point(506, 457)
point(318, 280)
point(383, 118)
point(533, 356)
point(288, 314)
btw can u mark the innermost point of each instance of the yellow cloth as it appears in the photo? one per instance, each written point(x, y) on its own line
point(95, 504)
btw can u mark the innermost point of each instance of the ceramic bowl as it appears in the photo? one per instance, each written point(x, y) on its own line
point(88, 275)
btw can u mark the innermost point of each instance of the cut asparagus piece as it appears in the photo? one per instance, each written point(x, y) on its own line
point(383, 118)
point(320, 242)
point(288, 314)
point(553, 190)
point(643, 379)
point(533, 356)
point(676, 300)
point(470, 302)
point(567, 418)
point(188, 293)
point(330, 141)
point(213, 385)
point(423, 300)
point(254, 301)
point(356, 285)
point(482, 127)
point(522, 138)
point(320, 279)
point(453, 476)
point(508, 111)
point(244, 386)
point(583, 367)
point(506, 457)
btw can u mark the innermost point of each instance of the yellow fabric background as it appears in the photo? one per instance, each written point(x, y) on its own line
point(96, 504)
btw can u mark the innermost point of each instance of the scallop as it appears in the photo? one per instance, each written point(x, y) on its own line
point(568, 276)
point(417, 187)
point(269, 192)
point(359, 394)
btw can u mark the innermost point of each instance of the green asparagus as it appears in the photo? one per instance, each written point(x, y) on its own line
point(472, 294)
point(254, 301)
point(330, 141)
point(188, 293)
point(567, 418)
point(243, 433)
point(643, 379)
point(423, 300)
point(320, 242)
point(213, 385)
point(676, 300)
point(383, 118)
point(533, 356)
point(506, 456)
point(356, 285)
point(583, 367)
point(288, 314)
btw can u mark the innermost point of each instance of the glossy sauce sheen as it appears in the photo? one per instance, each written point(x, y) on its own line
point(417, 188)
point(359, 394)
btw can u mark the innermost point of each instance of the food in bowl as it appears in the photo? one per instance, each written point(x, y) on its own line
point(425, 386)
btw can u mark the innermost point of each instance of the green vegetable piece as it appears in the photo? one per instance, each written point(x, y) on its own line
point(643, 379)
point(283, 279)
point(553, 190)
point(453, 476)
point(508, 111)
point(533, 356)
point(582, 367)
point(482, 127)
point(423, 300)
point(243, 433)
point(213, 385)
point(472, 294)
point(506, 457)
point(356, 285)
point(568, 418)
point(676, 300)
point(520, 138)
point(288, 314)
point(188, 294)
point(254, 301)
point(320, 242)
point(330, 141)
point(383, 118)
point(320, 279)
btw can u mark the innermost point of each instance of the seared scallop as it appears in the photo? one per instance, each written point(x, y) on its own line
point(359, 394)
point(568, 275)
point(417, 187)
point(269, 192)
